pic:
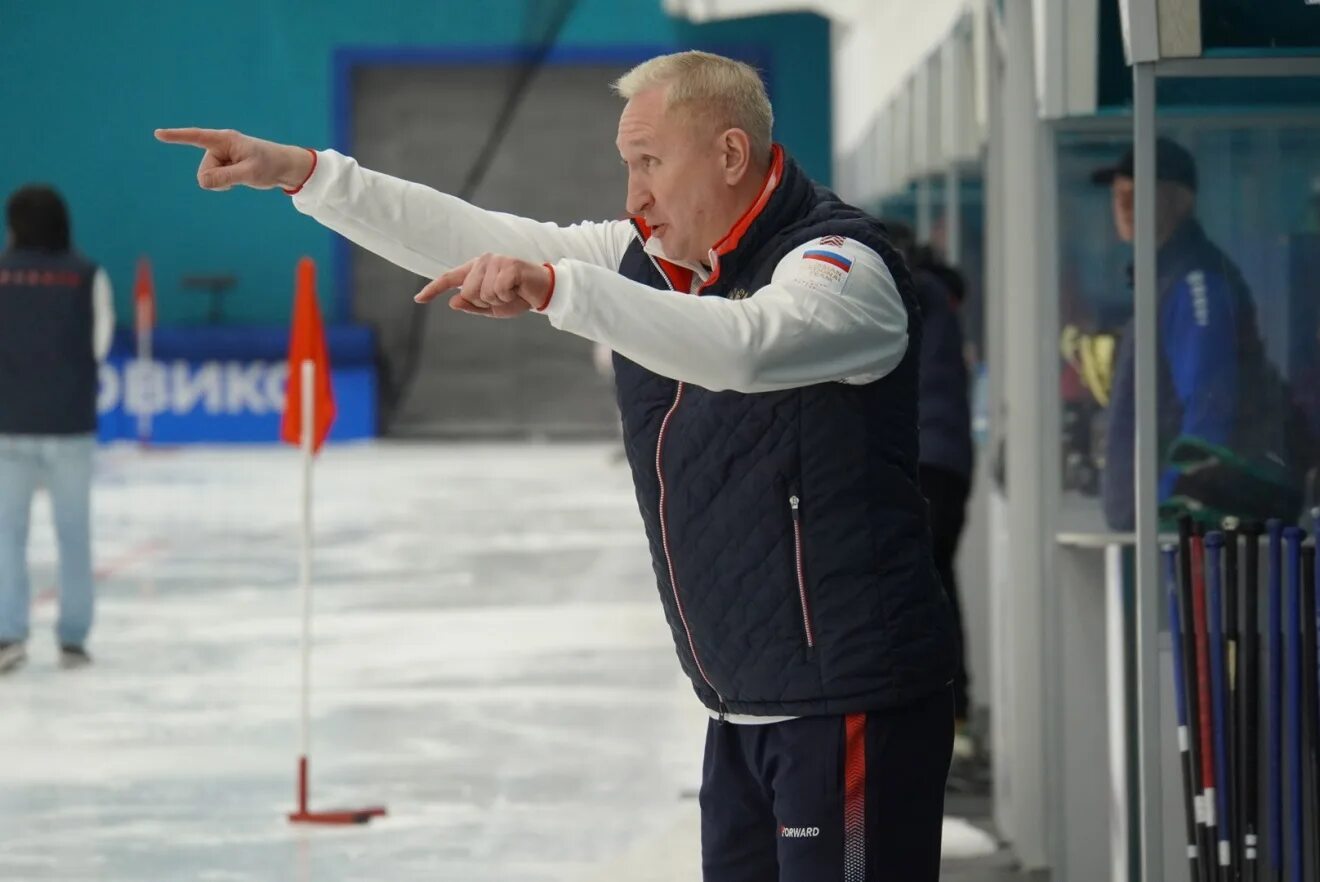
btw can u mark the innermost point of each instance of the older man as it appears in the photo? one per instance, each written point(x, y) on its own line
point(771, 425)
point(1216, 389)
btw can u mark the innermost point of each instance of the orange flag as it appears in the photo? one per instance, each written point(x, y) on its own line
point(307, 340)
point(144, 296)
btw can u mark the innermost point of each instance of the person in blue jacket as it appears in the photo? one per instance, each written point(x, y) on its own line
point(1208, 342)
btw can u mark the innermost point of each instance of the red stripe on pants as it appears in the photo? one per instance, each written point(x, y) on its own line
point(854, 798)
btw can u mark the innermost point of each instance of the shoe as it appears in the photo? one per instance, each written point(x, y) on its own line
point(72, 657)
point(969, 771)
point(964, 746)
point(12, 655)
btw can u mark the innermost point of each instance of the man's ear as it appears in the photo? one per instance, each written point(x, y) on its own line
point(736, 152)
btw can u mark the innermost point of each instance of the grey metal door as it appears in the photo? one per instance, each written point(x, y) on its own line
point(463, 376)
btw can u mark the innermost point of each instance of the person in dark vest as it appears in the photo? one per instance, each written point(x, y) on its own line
point(945, 449)
point(767, 341)
point(1216, 390)
point(56, 321)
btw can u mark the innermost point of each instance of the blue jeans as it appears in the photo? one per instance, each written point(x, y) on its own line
point(63, 464)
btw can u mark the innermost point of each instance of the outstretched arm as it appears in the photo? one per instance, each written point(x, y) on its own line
point(413, 226)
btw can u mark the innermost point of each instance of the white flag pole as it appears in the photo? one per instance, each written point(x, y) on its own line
point(308, 392)
point(303, 815)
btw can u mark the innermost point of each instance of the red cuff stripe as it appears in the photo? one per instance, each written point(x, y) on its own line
point(551, 293)
point(296, 190)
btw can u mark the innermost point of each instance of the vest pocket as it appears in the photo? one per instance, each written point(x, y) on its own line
point(800, 571)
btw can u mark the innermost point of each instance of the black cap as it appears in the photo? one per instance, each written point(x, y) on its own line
point(1172, 163)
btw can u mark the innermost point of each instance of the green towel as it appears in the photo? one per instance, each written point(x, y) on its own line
point(1214, 481)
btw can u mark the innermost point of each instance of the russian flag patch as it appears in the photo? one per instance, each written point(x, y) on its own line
point(833, 258)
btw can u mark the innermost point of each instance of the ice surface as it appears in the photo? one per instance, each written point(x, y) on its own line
point(490, 662)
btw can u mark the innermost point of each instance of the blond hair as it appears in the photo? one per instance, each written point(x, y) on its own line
point(726, 93)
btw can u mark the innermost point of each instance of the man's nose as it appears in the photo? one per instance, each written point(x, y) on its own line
point(639, 197)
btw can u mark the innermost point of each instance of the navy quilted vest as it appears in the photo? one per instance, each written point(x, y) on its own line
point(787, 529)
point(48, 371)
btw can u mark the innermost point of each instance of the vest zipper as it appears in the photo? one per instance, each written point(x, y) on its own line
point(664, 529)
point(794, 504)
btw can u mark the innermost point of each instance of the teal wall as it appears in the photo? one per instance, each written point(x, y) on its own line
point(83, 83)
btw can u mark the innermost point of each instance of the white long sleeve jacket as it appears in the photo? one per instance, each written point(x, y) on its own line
point(831, 311)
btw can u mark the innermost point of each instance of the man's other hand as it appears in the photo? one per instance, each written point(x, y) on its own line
point(494, 286)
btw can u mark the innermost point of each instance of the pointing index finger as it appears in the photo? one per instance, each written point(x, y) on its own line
point(209, 139)
point(444, 282)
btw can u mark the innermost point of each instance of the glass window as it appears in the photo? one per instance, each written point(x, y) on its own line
point(970, 262)
point(1095, 305)
point(1238, 299)
point(961, 274)
point(969, 259)
point(1238, 304)
point(1237, 327)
